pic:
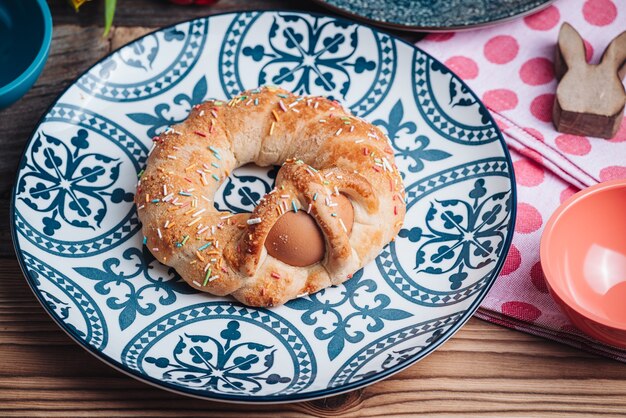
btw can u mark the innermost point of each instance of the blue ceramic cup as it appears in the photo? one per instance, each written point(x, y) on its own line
point(25, 35)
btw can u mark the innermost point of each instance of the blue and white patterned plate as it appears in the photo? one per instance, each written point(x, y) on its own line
point(435, 15)
point(77, 236)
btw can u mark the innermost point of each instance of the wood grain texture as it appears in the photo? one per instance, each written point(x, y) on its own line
point(590, 98)
point(485, 370)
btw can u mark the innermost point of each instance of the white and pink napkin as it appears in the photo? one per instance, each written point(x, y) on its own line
point(510, 67)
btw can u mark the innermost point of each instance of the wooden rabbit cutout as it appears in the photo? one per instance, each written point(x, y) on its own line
point(590, 98)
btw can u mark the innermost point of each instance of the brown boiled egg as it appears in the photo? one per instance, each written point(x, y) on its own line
point(295, 239)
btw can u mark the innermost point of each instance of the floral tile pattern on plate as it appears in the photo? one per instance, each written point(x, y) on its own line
point(77, 233)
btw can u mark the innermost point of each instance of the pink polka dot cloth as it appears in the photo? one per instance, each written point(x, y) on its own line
point(510, 67)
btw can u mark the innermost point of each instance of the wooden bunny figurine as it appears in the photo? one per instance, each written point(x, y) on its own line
point(590, 98)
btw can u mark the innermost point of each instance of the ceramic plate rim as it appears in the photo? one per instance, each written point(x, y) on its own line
point(295, 397)
point(434, 29)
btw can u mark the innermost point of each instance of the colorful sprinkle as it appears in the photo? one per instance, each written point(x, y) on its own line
point(254, 221)
point(215, 177)
point(194, 221)
point(205, 246)
point(206, 277)
point(199, 134)
point(294, 206)
point(198, 212)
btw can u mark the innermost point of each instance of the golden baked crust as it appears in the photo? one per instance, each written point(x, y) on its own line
point(324, 151)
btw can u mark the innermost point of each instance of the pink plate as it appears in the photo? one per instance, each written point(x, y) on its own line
point(583, 254)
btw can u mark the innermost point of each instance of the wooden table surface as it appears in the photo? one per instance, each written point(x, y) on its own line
point(484, 370)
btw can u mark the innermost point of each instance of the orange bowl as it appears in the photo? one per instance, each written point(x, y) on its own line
point(583, 255)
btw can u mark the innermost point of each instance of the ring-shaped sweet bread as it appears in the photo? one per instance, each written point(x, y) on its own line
point(338, 198)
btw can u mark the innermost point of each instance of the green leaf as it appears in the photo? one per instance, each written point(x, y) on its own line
point(109, 12)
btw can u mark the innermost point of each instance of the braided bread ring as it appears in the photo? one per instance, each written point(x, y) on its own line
point(324, 151)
